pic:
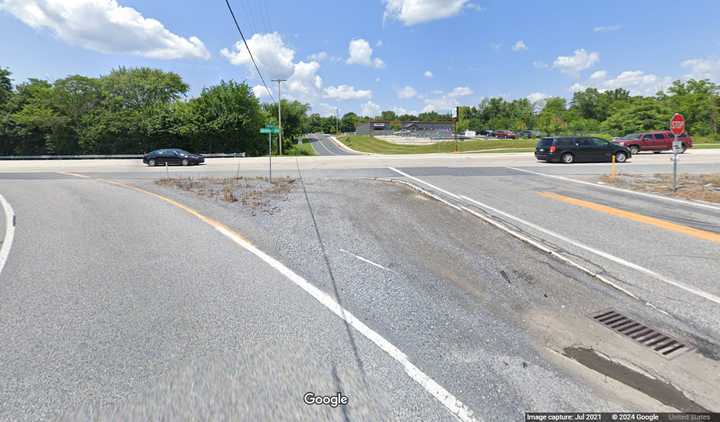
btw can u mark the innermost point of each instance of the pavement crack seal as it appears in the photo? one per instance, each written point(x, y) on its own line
point(658, 389)
point(451, 403)
point(526, 239)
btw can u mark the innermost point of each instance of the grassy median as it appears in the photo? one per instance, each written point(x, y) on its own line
point(377, 146)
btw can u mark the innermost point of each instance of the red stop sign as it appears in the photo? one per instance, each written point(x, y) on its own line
point(677, 124)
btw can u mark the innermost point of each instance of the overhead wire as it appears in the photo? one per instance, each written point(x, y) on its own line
point(252, 58)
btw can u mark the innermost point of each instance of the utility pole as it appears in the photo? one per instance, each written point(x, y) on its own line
point(337, 120)
point(279, 82)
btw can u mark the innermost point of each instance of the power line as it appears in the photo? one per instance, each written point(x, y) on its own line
point(227, 2)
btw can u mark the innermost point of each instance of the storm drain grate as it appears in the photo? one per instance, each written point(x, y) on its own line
point(664, 345)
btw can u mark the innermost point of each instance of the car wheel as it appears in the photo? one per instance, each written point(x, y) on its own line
point(620, 157)
point(684, 148)
point(568, 158)
point(151, 163)
point(634, 150)
point(657, 152)
point(185, 162)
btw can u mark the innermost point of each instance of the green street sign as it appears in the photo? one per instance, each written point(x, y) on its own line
point(269, 129)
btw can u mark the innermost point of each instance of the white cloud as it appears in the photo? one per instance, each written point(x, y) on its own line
point(579, 61)
point(635, 81)
point(370, 109)
point(413, 12)
point(577, 87)
point(428, 74)
point(638, 82)
point(318, 57)
point(446, 103)
point(540, 65)
point(520, 46)
point(407, 92)
point(707, 68)
point(346, 92)
point(304, 83)
point(461, 91)
point(272, 56)
point(598, 75)
point(474, 7)
point(611, 28)
point(260, 91)
point(537, 97)
point(107, 27)
point(361, 53)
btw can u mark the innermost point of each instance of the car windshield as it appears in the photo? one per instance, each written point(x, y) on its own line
point(359, 210)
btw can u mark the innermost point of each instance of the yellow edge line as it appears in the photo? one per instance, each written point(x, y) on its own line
point(663, 224)
point(213, 223)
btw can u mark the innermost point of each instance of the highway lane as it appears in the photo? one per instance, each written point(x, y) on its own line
point(694, 162)
point(116, 304)
point(665, 253)
point(124, 339)
point(325, 146)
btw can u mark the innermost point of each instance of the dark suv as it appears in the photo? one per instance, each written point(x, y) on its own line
point(569, 149)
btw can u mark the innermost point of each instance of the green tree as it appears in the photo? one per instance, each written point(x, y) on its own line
point(230, 118)
point(348, 122)
point(553, 118)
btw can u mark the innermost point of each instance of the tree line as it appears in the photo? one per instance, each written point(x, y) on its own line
point(136, 110)
point(614, 112)
point(132, 111)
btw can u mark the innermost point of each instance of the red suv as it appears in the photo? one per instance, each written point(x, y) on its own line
point(505, 134)
point(656, 141)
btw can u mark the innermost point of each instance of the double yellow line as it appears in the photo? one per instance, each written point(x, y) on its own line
point(656, 222)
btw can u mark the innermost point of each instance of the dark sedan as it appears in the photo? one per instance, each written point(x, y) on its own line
point(570, 149)
point(172, 157)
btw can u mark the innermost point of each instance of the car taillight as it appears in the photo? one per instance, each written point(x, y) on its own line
point(553, 149)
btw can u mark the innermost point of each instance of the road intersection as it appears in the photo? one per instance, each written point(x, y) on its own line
point(116, 300)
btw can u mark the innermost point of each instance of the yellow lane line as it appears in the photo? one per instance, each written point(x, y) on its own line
point(663, 224)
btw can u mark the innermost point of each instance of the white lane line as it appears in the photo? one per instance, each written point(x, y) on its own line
point(320, 141)
point(367, 261)
point(701, 293)
point(612, 188)
point(455, 406)
point(9, 232)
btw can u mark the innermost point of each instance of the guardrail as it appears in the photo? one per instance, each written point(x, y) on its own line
point(104, 157)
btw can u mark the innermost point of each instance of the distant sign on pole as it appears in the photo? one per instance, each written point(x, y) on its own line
point(269, 130)
point(677, 124)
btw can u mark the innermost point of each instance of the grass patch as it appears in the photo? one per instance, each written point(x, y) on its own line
point(301, 149)
point(703, 187)
point(377, 146)
point(254, 193)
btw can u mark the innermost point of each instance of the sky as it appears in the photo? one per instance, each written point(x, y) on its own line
point(366, 56)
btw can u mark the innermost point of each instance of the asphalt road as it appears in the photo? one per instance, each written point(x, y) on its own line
point(116, 304)
point(325, 146)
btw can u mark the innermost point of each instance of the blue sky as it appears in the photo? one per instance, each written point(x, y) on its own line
point(372, 55)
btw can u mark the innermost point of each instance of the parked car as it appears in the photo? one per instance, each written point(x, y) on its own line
point(570, 149)
point(177, 157)
point(655, 141)
point(505, 134)
point(487, 132)
point(530, 134)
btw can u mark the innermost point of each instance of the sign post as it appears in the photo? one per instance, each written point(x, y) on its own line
point(269, 129)
point(677, 127)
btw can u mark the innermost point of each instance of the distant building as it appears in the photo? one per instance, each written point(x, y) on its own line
point(429, 129)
